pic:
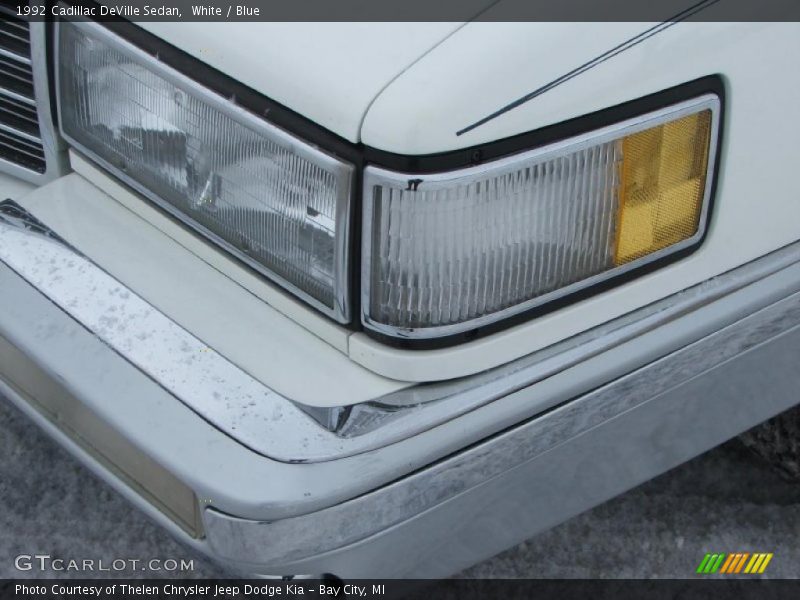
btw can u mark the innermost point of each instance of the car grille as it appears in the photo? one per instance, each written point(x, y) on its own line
point(20, 136)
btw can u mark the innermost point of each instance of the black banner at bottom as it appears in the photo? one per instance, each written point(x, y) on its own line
point(460, 589)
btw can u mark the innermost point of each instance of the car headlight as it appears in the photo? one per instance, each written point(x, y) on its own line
point(443, 253)
point(276, 202)
point(449, 252)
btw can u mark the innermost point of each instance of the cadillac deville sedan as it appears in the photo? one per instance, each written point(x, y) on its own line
point(385, 299)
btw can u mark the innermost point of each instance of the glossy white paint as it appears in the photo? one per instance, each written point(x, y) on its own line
point(232, 321)
point(757, 208)
point(461, 82)
point(328, 72)
point(179, 362)
point(337, 73)
point(13, 187)
point(483, 66)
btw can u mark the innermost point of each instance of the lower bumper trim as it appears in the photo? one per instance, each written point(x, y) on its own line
point(539, 473)
point(142, 474)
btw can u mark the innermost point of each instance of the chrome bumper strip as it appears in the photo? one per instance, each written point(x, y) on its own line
point(208, 383)
point(709, 360)
point(435, 402)
point(281, 429)
point(608, 412)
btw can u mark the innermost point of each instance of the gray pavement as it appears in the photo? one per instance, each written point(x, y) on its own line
point(724, 501)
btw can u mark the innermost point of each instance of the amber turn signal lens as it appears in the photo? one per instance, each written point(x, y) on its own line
point(663, 179)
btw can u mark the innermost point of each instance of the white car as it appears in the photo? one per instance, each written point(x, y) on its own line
point(385, 299)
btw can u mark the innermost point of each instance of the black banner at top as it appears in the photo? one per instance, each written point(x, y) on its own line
point(409, 10)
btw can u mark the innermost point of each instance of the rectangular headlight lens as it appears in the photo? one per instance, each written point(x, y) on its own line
point(449, 252)
point(279, 204)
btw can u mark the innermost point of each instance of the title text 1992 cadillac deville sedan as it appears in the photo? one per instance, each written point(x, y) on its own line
point(384, 299)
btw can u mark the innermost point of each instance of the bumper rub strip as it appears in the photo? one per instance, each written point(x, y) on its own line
point(220, 392)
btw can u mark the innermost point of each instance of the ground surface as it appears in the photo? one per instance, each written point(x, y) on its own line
point(724, 501)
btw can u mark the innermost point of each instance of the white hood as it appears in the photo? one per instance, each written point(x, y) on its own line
point(410, 87)
point(328, 72)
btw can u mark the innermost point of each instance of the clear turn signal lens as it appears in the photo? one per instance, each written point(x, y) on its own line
point(448, 252)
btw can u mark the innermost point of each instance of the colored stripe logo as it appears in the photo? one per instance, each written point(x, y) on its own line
point(735, 563)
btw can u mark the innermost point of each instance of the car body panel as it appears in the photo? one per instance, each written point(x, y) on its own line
point(532, 470)
point(327, 72)
point(756, 189)
point(629, 382)
point(236, 323)
point(421, 109)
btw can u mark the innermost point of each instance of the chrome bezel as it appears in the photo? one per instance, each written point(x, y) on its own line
point(374, 176)
point(344, 171)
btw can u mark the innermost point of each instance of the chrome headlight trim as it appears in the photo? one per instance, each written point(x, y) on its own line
point(341, 309)
point(375, 175)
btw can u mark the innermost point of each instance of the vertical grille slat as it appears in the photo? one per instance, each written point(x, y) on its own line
point(20, 135)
